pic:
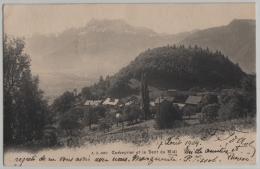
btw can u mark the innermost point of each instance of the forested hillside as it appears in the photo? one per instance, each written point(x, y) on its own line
point(181, 68)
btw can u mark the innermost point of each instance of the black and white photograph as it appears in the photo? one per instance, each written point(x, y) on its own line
point(129, 84)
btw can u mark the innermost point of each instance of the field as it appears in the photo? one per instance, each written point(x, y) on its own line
point(146, 132)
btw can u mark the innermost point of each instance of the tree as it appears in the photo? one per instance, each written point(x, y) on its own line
point(248, 85)
point(69, 122)
point(231, 105)
point(107, 80)
point(100, 111)
point(49, 136)
point(145, 97)
point(132, 113)
point(25, 110)
point(167, 115)
point(230, 110)
point(64, 102)
point(15, 62)
point(91, 117)
point(86, 93)
point(102, 84)
point(101, 79)
point(33, 109)
point(119, 88)
point(106, 123)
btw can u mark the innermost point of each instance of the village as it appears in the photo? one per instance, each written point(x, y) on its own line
point(113, 119)
point(188, 103)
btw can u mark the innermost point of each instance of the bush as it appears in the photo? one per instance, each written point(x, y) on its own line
point(49, 136)
point(230, 110)
point(105, 125)
point(168, 115)
point(132, 113)
point(210, 112)
point(69, 122)
point(64, 102)
point(100, 111)
point(189, 110)
point(248, 85)
point(233, 105)
point(90, 117)
point(107, 122)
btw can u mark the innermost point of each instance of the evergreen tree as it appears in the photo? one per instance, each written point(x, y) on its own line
point(25, 110)
point(63, 103)
point(145, 97)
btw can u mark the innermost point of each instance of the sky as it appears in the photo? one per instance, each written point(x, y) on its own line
point(25, 20)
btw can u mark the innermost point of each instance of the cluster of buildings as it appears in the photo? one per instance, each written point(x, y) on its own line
point(113, 102)
point(173, 96)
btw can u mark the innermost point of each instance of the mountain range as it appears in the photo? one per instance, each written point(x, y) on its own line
point(236, 40)
point(103, 47)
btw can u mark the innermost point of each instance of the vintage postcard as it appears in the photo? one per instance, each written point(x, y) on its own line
point(129, 84)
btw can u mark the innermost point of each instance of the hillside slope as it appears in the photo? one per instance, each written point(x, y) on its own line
point(236, 40)
point(180, 68)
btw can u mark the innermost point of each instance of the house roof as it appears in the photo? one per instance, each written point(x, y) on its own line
point(133, 98)
point(205, 93)
point(111, 102)
point(171, 90)
point(170, 99)
point(129, 103)
point(180, 105)
point(92, 102)
point(193, 100)
point(161, 99)
point(158, 100)
point(152, 103)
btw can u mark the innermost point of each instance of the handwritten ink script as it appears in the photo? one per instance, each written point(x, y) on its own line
point(234, 147)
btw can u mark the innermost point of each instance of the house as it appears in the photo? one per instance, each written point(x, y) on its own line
point(180, 105)
point(111, 102)
point(192, 105)
point(155, 105)
point(193, 100)
point(129, 103)
point(205, 93)
point(132, 100)
point(152, 103)
point(92, 102)
point(169, 99)
point(159, 100)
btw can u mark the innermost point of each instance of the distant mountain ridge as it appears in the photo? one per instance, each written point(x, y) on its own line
point(103, 47)
point(117, 40)
point(119, 26)
point(236, 40)
point(112, 43)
